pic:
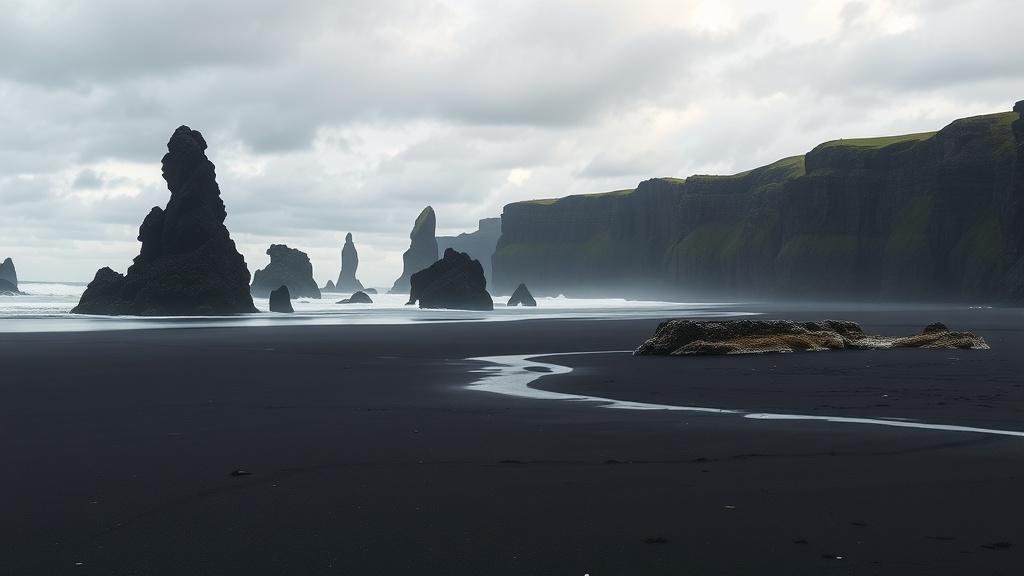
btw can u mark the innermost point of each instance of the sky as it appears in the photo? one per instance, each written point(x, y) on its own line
point(325, 117)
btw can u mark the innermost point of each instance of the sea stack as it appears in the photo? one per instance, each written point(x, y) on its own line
point(329, 287)
point(455, 281)
point(281, 300)
point(288, 267)
point(522, 296)
point(8, 277)
point(347, 281)
point(422, 250)
point(188, 265)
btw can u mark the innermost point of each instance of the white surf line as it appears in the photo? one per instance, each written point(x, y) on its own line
point(512, 375)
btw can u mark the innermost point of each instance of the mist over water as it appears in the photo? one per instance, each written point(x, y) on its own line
point(46, 307)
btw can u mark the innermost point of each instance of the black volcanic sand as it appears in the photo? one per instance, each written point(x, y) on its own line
point(362, 452)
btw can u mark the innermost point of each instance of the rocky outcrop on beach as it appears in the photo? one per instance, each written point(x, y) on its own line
point(359, 297)
point(522, 296)
point(479, 244)
point(281, 300)
point(329, 287)
point(187, 265)
point(699, 337)
point(347, 281)
point(422, 250)
point(288, 267)
point(9, 274)
point(922, 217)
point(455, 281)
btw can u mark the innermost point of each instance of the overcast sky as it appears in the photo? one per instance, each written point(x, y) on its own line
point(332, 116)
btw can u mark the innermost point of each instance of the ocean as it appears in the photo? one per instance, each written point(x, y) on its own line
point(46, 307)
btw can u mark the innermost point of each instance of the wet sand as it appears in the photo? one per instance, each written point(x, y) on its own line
point(365, 453)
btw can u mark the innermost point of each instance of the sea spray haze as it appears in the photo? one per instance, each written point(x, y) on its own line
point(188, 265)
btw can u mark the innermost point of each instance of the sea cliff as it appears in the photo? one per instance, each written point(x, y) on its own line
point(936, 216)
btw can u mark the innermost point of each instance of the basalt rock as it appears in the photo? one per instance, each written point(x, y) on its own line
point(455, 281)
point(329, 287)
point(288, 267)
point(422, 250)
point(347, 281)
point(698, 337)
point(359, 297)
point(479, 244)
point(188, 265)
point(522, 296)
point(281, 300)
point(8, 273)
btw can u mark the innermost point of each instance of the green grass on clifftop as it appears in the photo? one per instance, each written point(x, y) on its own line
point(880, 142)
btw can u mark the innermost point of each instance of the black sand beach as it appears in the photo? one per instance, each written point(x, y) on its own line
point(365, 453)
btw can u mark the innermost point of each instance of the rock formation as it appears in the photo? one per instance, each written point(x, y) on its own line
point(359, 297)
point(8, 273)
point(8, 289)
point(479, 244)
point(522, 296)
point(281, 300)
point(288, 267)
point(693, 337)
point(422, 250)
point(187, 265)
point(921, 217)
point(455, 281)
point(329, 287)
point(347, 281)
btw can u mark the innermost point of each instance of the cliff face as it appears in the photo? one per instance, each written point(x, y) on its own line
point(479, 244)
point(935, 216)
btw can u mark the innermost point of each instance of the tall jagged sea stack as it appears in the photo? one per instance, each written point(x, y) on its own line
point(422, 250)
point(347, 281)
point(188, 265)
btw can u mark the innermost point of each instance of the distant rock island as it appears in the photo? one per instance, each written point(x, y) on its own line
point(188, 265)
point(697, 337)
point(456, 282)
point(8, 278)
point(422, 250)
point(359, 297)
point(479, 244)
point(936, 216)
point(288, 267)
point(521, 296)
point(347, 281)
point(329, 287)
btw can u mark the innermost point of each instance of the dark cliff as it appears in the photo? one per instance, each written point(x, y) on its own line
point(935, 216)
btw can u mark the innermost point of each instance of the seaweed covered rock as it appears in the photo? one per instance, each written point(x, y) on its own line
point(455, 281)
point(9, 274)
point(281, 300)
point(288, 267)
point(422, 250)
point(188, 265)
point(347, 281)
point(522, 296)
point(358, 297)
point(694, 337)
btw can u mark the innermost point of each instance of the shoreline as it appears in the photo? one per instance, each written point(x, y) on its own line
point(366, 453)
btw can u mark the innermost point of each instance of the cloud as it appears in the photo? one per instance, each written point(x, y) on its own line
point(330, 117)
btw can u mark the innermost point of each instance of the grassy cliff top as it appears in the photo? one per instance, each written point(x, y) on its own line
point(881, 142)
point(997, 125)
point(547, 201)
